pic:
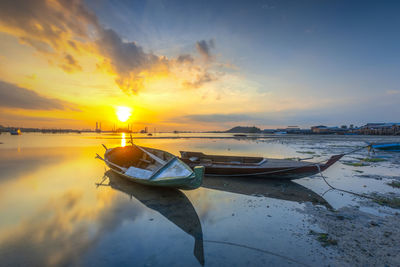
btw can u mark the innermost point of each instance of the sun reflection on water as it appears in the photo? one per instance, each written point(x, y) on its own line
point(123, 140)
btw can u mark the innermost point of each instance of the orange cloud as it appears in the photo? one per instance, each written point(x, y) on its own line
point(64, 30)
point(70, 64)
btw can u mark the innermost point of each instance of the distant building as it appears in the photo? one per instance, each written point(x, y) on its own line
point(292, 129)
point(388, 128)
point(98, 127)
point(144, 130)
point(322, 129)
point(319, 129)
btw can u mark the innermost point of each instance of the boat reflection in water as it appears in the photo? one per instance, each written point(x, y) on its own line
point(278, 189)
point(176, 207)
point(169, 202)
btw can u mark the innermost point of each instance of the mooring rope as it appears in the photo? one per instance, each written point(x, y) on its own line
point(256, 249)
point(346, 191)
point(343, 190)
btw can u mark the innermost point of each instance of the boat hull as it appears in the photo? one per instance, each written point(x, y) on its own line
point(394, 147)
point(269, 173)
point(288, 170)
point(191, 182)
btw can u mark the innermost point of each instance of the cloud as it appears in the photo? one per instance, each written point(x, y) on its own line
point(70, 65)
point(124, 56)
point(393, 92)
point(38, 45)
point(11, 118)
point(333, 115)
point(200, 80)
point(204, 48)
point(221, 118)
point(261, 119)
point(127, 59)
point(46, 22)
point(186, 58)
point(13, 96)
point(63, 30)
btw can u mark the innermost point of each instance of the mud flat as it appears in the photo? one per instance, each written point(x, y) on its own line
point(360, 238)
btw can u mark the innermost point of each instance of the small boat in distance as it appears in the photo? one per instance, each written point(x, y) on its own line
point(151, 166)
point(15, 132)
point(239, 166)
point(394, 146)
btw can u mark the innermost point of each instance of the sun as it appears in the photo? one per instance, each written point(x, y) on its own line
point(123, 113)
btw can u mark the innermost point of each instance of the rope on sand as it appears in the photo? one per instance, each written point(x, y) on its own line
point(346, 191)
point(257, 249)
point(342, 190)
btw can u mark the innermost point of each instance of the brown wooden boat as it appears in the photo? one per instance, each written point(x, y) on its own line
point(231, 166)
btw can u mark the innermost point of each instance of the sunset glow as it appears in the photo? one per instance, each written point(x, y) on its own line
point(70, 67)
point(123, 113)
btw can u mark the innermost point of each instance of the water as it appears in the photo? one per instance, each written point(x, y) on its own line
point(52, 212)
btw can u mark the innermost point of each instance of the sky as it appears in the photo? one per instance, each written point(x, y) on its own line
point(198, 65)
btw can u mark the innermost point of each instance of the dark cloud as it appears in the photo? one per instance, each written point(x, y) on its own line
point(185, 59)
point(127, 59)
point(51, 22)
point(123, 56)
point(13, 96)
point(70, 65)
point(38, 45)
point(204, 48)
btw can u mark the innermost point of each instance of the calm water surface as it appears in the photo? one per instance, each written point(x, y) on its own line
point(52, 212)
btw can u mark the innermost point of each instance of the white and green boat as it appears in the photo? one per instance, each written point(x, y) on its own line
point(152, 166)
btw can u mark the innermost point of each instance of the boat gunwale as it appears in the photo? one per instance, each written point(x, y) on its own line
point(201, 155)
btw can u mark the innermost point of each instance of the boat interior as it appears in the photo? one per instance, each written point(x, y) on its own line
point(132, 156)
point(201, 158)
